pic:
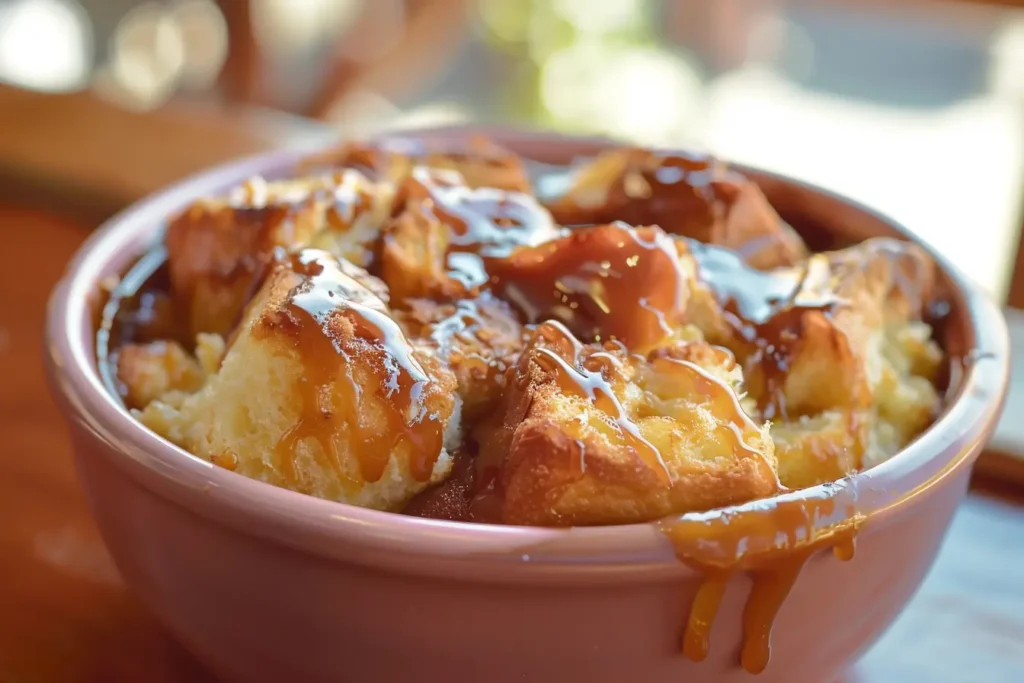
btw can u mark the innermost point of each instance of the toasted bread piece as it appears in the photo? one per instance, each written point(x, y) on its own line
point(433, 248)
point(592, 435)
point(837, 338)
point(149, 371)
point(219, 249)
point(692, 195)
point(478, 338)
point(322, 393)
point(481, 162)
point(820, 448)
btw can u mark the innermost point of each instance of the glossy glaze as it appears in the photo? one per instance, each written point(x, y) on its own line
point(330, 317)
point(604, 282)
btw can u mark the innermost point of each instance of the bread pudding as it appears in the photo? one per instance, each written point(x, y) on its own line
point(412, 329)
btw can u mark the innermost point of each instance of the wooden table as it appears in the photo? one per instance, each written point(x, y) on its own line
point(65, 616)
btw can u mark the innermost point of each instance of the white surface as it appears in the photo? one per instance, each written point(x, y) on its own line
point(955, 176)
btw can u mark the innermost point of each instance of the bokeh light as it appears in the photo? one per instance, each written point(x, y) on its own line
point(45, 44)
point(644, 94)
point(159, 48)
point(205, 38)
point(286, 27)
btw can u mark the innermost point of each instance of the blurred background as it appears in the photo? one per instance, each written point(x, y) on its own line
point(915, 107)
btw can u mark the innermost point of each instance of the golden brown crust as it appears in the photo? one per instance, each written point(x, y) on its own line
point(835, 316)
point(322, 393)
point(148, 371)
point(219, 250)
point(601, 437)
point(692, 195)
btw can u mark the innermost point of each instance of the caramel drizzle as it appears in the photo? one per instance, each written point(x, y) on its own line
point(483, 222)
point(587, 380)
point(466, 321)
point(325, 301)
point(765, 311)
point(351, 199)
point(772, 540)
point(680, 192)
point(605, 282)
point(723, 400)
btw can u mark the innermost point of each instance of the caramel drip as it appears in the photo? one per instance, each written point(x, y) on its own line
point(845, 550)
point(587, 380)
point(770, 589)
point(339, 325)
point(772, 539)
point(606, 282)
point(465, 321)
point(228, 460)
point(697, 636)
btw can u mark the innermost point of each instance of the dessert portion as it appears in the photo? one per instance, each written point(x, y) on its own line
point(410, 329)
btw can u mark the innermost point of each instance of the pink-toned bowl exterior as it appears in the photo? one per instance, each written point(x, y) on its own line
point(265, 585)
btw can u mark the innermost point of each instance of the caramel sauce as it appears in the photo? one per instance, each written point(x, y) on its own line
point(452, 498)
point(680, 192)
point(228, 460)
point(350, 199)
point(767, 313)
point(333, 318)
point(845, 550)
point(606, 282)
point(587, 379)
point(482, 222)
point(467, 324)
point(771, 540)
point(138, 309)
point(703, 610)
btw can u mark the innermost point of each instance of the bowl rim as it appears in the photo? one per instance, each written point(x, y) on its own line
point(386, 539)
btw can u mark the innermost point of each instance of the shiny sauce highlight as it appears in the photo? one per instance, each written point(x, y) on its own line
point(482, 222)
point(605, 282)
point(331, 318)
point(588, 379)
point(766, 312)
